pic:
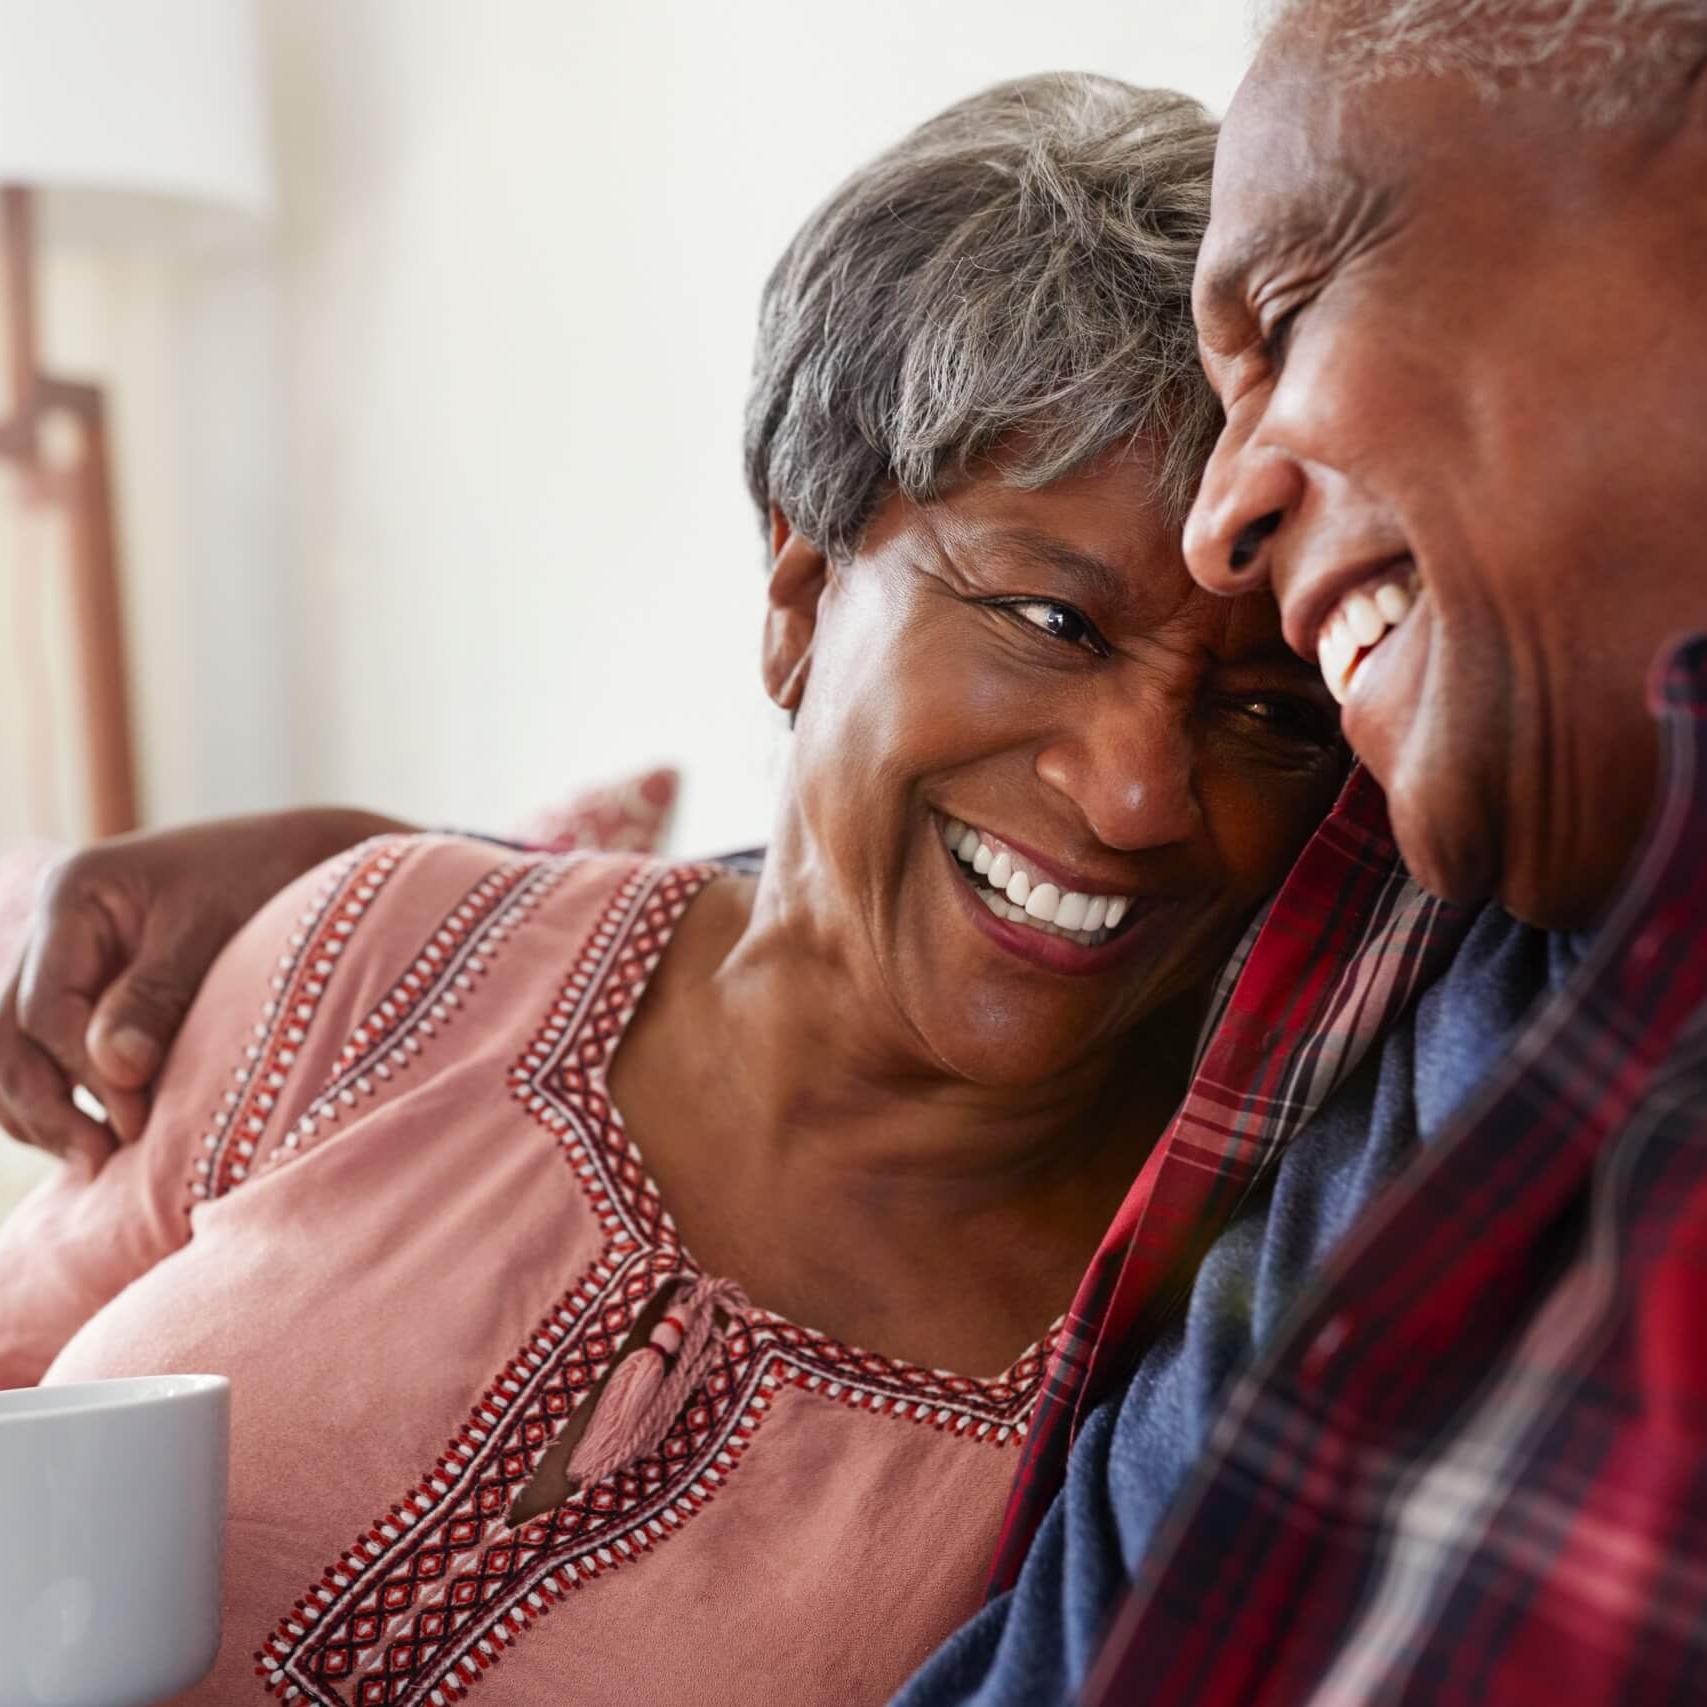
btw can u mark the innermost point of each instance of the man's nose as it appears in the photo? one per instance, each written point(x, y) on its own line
point(1130, 773)
point(1246, 494)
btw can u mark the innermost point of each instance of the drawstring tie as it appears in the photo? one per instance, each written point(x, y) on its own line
point(645, 1393)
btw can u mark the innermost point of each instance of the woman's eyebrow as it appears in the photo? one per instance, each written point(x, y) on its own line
point(1099, 579)
point(1281, 663)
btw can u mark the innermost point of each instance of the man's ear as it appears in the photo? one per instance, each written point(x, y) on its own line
point(799, 572)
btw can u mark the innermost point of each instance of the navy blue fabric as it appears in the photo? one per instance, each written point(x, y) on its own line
point(1034, 1645)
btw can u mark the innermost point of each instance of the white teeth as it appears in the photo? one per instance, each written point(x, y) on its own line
point(1361, 620)
point(1365, 621)
point(1334, 656)
point(1011, 893)
point(1393, 600)
point(1043, 903)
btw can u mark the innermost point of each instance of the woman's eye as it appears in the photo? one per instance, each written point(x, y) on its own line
point(1061, 621)
point(1291, 719)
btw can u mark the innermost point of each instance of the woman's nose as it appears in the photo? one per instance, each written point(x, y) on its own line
point(1246, 495)
point(1130, 777)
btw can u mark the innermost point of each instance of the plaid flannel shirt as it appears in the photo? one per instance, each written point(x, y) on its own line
point(1473, 1467)
point(1336, 957)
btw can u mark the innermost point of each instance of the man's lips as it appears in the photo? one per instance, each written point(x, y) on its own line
point(1363, 624)
point(1385, 691)
point(1309, 601)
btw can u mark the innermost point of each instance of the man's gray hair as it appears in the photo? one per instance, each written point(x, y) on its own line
point(1012, 277)
point(1615, 60)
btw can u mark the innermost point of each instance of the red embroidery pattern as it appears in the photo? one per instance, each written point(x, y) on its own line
point(429, 994)
point(438, 1589)
point(305, 968)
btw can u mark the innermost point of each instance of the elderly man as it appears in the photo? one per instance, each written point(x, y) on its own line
point(1456, 1438)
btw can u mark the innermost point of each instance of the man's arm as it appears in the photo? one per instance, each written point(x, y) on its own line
point(230, 1095)
point(122, 936)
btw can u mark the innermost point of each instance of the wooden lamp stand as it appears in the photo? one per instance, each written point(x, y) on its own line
point(56, 436)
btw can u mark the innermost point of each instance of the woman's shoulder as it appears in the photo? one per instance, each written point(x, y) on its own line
point(398, 926)
point(428, 907)
point(423, 884)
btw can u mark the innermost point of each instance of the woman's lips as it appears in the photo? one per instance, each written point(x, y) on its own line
point(1014, 880)
point(1046, 946)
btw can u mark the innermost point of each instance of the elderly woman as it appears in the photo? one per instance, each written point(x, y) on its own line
point(635, 1278)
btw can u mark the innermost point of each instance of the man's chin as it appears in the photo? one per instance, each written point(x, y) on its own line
point(1449, 845)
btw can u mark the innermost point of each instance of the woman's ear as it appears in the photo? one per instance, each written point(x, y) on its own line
point(799, 571)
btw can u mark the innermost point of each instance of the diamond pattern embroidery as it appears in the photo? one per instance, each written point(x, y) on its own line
point(438, 1590)
point(308, 963)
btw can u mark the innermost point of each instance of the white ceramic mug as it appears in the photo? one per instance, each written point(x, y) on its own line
point(112, 1539)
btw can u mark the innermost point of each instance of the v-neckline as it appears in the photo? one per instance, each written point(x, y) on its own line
point(627, 977)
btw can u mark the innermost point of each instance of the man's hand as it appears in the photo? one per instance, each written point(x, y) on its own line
point(121, 937)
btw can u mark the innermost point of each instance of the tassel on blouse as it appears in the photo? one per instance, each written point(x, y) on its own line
point(646, 1391)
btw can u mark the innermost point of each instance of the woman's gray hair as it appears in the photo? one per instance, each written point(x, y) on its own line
point(1013, 276)
point(1615, 60)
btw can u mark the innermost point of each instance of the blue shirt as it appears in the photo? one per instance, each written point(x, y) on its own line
point(1035, 1644)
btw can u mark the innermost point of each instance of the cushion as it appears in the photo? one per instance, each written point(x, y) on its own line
point(631, 816)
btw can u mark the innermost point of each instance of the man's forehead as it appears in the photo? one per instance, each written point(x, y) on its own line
point(1307, 164)
point(1279, 171)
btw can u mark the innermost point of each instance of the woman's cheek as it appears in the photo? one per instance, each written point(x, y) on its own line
point(1259, 820)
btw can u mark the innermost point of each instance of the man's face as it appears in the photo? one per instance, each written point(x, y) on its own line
point(1463, 353)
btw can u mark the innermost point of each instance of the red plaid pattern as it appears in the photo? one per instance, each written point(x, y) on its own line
point(1474, 1467)
point(1335, 958)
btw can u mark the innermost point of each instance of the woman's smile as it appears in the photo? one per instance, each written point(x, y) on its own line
point(1032, 894)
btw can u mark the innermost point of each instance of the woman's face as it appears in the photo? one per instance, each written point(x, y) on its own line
point(1026, 689)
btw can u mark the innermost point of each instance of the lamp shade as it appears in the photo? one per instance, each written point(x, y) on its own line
point(138, 119)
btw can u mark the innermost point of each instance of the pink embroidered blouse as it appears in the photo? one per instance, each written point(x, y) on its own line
point(385, 1191)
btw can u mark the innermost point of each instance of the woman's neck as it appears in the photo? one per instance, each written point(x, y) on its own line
point(828, 1077)
point(814, 1153)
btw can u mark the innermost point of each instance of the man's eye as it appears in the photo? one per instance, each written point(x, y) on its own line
point(1061, 621)
point(1277, 336)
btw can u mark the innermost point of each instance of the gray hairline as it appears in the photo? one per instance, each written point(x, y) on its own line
point(1010, 282)
point(1613, 60)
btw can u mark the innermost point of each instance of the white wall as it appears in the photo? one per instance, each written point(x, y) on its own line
point(440, 503)
point(523, 245)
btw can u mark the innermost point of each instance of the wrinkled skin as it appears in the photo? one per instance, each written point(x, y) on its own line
point(1160, 743)
point(1468, 334)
